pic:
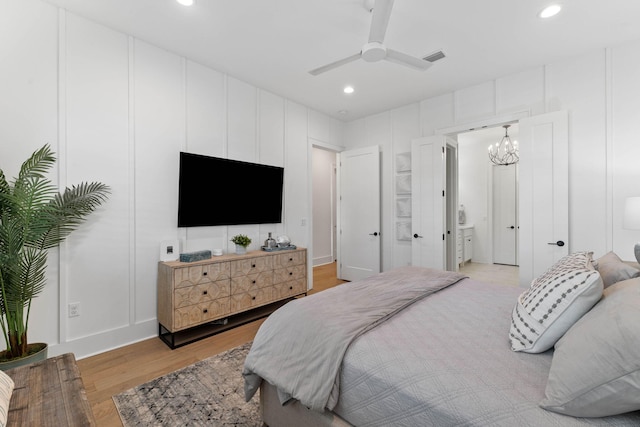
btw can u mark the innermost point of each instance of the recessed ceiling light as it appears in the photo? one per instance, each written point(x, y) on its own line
point(550, 11)
point(348, 89)
point(185, 2)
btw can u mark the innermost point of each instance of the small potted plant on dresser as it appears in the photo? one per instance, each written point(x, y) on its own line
point(34, 218)
point(241, 241)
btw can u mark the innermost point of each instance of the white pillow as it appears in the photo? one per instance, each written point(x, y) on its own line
point(554, 302)
point(595, 370)
point(613, 270)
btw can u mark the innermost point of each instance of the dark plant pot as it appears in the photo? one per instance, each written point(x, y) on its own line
point(37, 352)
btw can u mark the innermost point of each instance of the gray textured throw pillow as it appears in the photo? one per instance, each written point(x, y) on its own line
point(595, 371)
point(554, 302)
point(613, 270)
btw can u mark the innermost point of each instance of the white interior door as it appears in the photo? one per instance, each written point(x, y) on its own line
point(544, 193)
point(427, 202)
point(505, 215)
point(359, 213)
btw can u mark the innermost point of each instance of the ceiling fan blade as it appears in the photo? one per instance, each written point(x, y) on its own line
point(335, 64)
point(407, 60)
point(380, 20)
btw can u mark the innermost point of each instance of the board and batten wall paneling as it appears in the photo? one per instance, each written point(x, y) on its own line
point(206, 111)
point(97, 149)
point(297, 188)
point(437, 113)
point(271, 130)
point(241, 120)
point(29, 118)
point(324, 128)
point(625, 145)
point(475, 102)
point(159, 136)
point(206, 116)
point(522, 91)
point(119, 110)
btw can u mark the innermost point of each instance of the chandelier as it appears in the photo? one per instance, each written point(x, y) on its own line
point(504, 152)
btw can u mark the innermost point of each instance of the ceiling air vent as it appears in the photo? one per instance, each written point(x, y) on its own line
point(436, 56)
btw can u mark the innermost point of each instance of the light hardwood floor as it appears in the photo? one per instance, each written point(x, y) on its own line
point(113, 372)
point(491, 273)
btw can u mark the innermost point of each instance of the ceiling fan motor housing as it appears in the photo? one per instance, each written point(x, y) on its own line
point(374, 51)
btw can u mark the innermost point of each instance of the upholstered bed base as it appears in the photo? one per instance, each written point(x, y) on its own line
point(293, 414)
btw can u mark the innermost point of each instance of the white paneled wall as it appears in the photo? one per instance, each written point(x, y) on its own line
point(119, 110)
point(95, 147)
point(623, 136)
point(600, 90)
point(28, 118)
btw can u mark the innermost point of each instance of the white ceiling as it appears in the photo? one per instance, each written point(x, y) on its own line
point(273, 44)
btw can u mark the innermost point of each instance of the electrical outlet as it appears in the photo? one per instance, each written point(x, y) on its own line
point(74, 309)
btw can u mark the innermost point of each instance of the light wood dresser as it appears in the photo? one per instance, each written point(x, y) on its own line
point(201, 298)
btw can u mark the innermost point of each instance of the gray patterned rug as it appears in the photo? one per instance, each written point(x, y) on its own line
point(207, 393)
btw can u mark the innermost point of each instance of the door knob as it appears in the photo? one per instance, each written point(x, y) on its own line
point(512, 227)
point(558, 243)
point(416, 236)
point(375, 233)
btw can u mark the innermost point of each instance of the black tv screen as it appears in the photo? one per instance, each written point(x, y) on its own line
point(216, 191)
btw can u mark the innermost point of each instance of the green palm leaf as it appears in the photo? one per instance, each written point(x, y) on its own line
point(34, 217)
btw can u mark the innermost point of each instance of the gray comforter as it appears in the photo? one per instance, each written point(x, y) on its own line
point(302, 357)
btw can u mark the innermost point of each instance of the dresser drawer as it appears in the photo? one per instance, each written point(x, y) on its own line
point(199, 274)
point(254, 297)
point(289, 259)
point(200, 313)
point(242, 284)
point(289, 289)
point(289, 273)
point(191, 295)
point(242, 267)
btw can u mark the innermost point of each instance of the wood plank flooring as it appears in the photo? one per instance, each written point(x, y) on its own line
point(491, 273)
point(115, 371)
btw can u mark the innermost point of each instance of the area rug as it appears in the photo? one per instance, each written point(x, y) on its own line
point(207, 393)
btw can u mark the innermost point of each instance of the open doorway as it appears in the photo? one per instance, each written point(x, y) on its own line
point(489, 194)
point(324, 206)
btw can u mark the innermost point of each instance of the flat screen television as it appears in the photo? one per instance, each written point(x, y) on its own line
point(216, 191)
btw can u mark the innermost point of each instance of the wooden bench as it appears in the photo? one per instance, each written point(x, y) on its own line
point(49, 393)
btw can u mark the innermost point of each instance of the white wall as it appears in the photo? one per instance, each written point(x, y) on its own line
point(118, 110)
point(602, 94)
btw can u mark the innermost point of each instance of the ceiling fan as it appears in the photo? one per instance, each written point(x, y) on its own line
point(374, 50)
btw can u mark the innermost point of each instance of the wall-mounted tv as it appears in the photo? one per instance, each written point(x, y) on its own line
point(216, 191)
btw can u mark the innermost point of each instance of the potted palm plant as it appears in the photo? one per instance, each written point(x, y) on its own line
point(34, 217)
point(241, 241)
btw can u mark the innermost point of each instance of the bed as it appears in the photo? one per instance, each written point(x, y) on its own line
point(424, 347)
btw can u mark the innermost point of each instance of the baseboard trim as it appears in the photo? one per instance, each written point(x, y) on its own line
point(108, 340)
